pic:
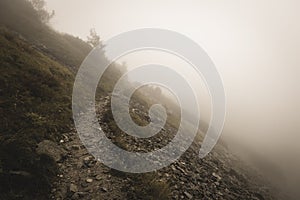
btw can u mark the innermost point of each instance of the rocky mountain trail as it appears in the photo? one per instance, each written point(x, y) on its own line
point(82, 177)
point(220, 175)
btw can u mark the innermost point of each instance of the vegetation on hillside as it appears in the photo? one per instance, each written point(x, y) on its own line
point(38, 67)
point(21, 17)
point(35, 105)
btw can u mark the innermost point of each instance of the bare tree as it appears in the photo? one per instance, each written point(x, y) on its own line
point(94, 39)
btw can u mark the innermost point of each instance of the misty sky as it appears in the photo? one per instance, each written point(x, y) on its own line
point(254, 44)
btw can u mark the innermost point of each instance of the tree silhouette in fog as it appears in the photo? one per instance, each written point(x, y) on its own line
point(94, 39)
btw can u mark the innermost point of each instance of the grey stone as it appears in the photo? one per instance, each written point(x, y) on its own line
point(73, 188)
point(188, 195)
point(51, 149)
point(89, 180)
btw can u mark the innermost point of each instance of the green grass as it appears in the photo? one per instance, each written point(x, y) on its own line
point(35, 104)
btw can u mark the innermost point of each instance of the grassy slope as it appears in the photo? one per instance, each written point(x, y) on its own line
point(34, 105)
point(37, 70)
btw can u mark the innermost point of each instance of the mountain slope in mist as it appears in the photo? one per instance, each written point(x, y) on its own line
point(35, 105)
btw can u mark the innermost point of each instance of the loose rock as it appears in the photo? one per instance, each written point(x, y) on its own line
point(73, 188)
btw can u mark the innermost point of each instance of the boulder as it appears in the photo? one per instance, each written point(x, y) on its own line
point(51, 149)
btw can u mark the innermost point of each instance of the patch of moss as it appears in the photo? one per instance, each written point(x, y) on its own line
point(149, 187)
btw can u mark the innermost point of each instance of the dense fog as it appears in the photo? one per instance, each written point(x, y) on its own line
point(255, 46)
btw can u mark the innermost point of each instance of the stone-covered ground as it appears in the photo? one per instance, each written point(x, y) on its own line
point(220, 175)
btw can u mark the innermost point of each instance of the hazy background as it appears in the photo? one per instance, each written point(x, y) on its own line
point(255, 46)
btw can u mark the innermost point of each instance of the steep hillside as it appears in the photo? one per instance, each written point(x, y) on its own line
point(19, 15)
point(38, 67)
point(41, 154)
point(220, 175)
point(35, 104)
